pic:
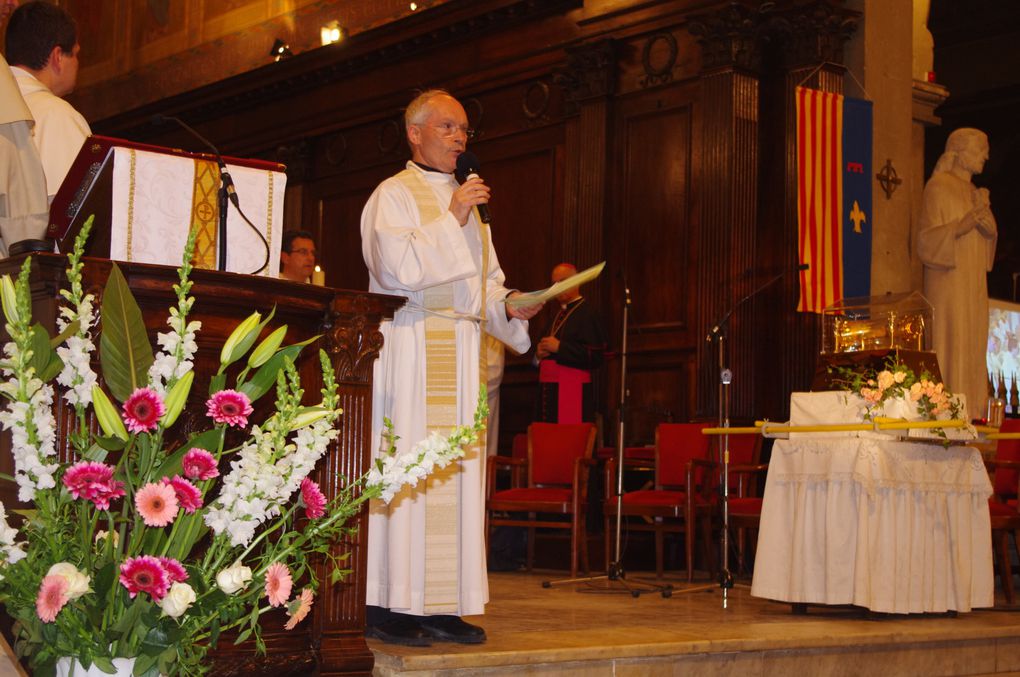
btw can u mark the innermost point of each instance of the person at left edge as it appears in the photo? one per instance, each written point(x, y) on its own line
point(422, 240)
point(42, 48)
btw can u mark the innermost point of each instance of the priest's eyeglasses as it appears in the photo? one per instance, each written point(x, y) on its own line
point(448, 129)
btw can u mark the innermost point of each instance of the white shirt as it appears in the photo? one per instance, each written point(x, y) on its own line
point(59, 130)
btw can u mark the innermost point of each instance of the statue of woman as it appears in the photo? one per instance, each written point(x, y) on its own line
point(956, 244)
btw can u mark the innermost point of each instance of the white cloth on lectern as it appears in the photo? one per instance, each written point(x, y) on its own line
point(59, 130)
point(161, 204)
point(404, 257)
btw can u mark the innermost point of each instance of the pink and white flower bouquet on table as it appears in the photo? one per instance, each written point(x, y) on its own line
point(137, 555)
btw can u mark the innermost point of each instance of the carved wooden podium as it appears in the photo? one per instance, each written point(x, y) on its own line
point(333, 642)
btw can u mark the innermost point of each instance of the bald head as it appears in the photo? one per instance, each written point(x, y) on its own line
point(561, 272)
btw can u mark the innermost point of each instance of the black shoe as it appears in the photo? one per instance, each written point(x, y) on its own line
point(404, 631)
point(452, 629)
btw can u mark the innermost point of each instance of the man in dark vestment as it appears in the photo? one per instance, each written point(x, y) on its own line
point(572, 348)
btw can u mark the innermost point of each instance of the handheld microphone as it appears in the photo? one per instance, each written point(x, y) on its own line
point(228, 182)
point(467, 168)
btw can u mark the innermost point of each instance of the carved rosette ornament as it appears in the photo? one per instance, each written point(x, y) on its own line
point(590, 73)
point(297, 156)
point(351, 345)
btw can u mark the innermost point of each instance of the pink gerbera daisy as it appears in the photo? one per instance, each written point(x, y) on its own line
point(157, 504)
point(315, 502)
point(52, 597)
point(93, 482)
point(230, 407)
point(188, 495)
point(175, 573)
point(199, 464)
point(143, 410)
point(144, 574)
point(278, 584)
point(298, 608)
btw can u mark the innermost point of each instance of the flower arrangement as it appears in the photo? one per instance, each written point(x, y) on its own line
point(896, 386)
point(149, 546)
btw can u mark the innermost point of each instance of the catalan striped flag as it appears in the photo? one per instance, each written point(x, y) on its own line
point(833, 197)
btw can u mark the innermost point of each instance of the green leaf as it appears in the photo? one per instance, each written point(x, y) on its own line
point(217, 383)
point(41, 350)
point(145, 665)
point(52, 368)
point(130, 617)
point(125, 352)
point(243, 636)
point(104, 664)
point(71, 329)
point(265, 377)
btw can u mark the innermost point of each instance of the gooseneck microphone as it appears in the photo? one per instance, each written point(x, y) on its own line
point(226, 189)
point(718, 326)
point(228, 182)
point(467, 168)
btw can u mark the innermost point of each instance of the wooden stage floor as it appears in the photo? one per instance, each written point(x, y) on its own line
point(561, 631)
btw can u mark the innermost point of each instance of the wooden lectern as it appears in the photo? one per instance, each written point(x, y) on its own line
point(332, 641)
point(146, 199)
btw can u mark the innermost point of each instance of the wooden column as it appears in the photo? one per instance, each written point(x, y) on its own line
point(806, 49)
point(727, 241)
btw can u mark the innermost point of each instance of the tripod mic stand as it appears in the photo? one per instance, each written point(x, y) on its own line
point(614, 570)
point(718, 333)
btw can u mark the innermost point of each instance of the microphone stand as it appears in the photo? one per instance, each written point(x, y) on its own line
point(614, 570)
point(225, 194)
point(718, 334)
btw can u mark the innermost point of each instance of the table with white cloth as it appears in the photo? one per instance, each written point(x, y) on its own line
point(892, 526)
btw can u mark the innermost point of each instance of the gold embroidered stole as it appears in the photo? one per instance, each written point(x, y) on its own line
point(205, 213)
point(442, 528)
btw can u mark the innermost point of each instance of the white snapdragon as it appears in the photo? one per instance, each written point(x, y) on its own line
point(12, 551)
point(33, 432)
point(393, 472)
point(262, 479)
point(178, 351)
point(77, 375)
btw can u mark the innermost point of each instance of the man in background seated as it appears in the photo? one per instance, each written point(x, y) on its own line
point(297, 256)
point(42, 49)
point(572, 347)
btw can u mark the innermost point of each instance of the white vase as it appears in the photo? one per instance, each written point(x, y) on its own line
point(70, 667)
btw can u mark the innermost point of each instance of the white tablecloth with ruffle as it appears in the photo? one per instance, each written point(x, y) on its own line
point(900, 527)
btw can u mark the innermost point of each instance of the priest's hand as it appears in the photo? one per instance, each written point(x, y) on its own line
point(549, 345)
point(470, 193)
point(522, 313)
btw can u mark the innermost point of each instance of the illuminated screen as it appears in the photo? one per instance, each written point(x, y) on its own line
point(1003, 356)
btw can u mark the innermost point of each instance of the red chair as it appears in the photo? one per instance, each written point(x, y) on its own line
point(558, 464)
point(681, 495)
point(1003, 505)
point(746, 485)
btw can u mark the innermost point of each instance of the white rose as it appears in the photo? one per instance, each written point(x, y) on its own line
point(233, 578)
point(177, 600)
point(77, 582)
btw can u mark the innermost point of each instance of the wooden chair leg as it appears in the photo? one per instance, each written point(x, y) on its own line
point(531, 546)
point(1001, 538)
point(689, 535)
point(573, 544)
point(706, 535)
point(659, 528)
point(584, 545)
point(607, 539)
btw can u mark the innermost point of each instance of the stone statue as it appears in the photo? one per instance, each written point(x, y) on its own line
point(956, 243)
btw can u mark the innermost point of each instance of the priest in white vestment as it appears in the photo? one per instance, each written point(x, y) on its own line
point(24, 210)
point(421, 239)
point(956, 242)
point(42, 47)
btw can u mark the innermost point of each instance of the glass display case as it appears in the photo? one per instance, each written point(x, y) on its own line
point(892, 321)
